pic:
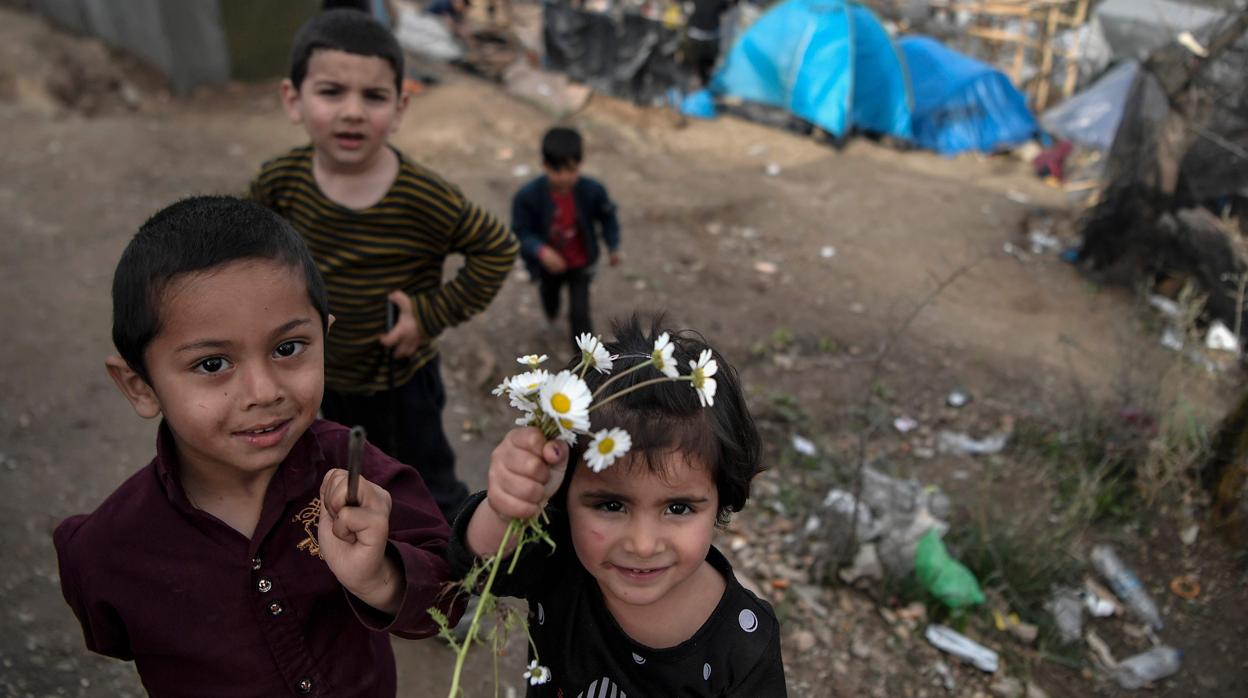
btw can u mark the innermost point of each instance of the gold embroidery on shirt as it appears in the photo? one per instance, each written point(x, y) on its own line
point(310, 517)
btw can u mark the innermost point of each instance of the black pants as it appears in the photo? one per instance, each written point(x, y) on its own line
point(700, 57)
point(415, 408)
point(577, 280)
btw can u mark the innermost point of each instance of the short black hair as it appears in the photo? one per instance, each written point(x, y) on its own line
point(348, 30)
point(562, 148)
point(669, 416)
point(193, 235)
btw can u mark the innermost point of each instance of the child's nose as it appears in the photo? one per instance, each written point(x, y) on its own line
point(261, 386)
point(644, 539)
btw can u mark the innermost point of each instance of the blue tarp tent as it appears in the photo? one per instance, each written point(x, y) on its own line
point(827, 61)
point(962, 104)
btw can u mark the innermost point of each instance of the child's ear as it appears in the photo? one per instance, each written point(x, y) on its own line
point(401, 107)
point(290, 101)
point(141, 396)
point(330, 325)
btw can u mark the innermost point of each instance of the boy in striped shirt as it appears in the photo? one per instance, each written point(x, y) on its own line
point(380, 227)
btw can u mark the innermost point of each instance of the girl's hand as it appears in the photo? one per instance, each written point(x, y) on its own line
point(525, 472)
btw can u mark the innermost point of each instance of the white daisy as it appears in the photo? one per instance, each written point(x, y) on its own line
point(608, 446)
point(703, 369)
point(662, 356)
point(565, 398)
point(536, 674)
point(594, 353)
point(532, 360)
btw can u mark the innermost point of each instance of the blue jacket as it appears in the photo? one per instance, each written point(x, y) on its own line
point(532, 210)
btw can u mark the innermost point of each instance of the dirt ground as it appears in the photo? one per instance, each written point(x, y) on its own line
point(832, 252)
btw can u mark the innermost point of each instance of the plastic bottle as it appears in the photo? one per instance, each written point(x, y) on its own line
point(1126, 585)
point(1146, 667)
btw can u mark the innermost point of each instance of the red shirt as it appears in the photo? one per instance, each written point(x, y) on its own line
point(565, 234)
point(204, 611)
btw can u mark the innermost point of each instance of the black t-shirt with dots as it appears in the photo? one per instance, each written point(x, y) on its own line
point(736, 652)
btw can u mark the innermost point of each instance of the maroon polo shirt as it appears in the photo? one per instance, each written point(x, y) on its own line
point(203, 611)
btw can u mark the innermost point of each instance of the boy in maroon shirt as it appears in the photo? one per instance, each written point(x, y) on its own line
point(231, 565)
point(559, 219)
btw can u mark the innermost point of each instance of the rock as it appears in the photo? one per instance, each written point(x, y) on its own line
point(804, 640)
point(859, 648)
point(1007, 687)
point(1034, 691)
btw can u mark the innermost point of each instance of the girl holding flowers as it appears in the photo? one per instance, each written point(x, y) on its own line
point(633, 600)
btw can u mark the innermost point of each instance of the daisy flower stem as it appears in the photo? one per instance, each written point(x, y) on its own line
point(513, 530)
point(620, 375)
point(626, 391)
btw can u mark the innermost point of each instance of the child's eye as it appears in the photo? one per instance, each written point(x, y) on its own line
point(211, 365)
point(679, 509)
point(611, 506)
point(377, 96)
point(290, 348)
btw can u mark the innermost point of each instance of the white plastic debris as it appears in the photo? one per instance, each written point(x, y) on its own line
point(1017, 196)
point(773, 169)
point(1220, 338)
point(1041, 242)
point(1165, 306)
point(766, 267)
point(905, 425)
point(804, 446)
point(827, 252)
point(1172, 339)
point(949, 640)
point(957, 399)
point(957, 442)
point(521, 171)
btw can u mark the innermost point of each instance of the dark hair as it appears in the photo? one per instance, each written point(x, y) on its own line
point(561, 148)
point(668, 416)
point(192, 235)
point(346, 30)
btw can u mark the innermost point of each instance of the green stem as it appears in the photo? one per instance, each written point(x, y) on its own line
point(513, 529)
point(620, 375)
point(626, 391)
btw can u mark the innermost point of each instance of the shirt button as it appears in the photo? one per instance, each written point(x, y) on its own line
point(305, 685)
point(275, 609)
point(264, 585)
point(255, 563)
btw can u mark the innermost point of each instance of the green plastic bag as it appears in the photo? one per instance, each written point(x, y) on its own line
point(944, 577)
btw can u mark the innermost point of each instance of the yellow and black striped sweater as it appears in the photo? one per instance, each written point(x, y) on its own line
point(401, 242)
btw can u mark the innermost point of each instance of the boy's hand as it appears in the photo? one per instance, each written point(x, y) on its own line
point(525, 471)
point(353, 542)
point(405, 337)
point(551, 261)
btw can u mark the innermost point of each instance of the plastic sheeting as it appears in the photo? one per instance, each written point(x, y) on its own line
point(1091, 117)
point(625, 55)
point(826, 61)
point(1132, 29)
point(962, 104)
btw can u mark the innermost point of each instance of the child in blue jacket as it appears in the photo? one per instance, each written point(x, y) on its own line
point(559, 218)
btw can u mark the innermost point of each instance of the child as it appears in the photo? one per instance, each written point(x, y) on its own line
point(380, 227)
point(635, 600)
point(559, 218)
point(231, 564)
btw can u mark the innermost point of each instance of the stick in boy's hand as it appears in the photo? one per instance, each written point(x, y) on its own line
point(406, 337)
point(355, 453)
